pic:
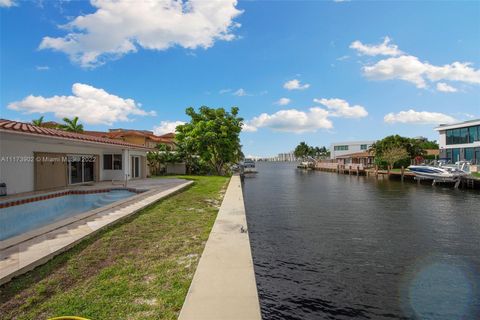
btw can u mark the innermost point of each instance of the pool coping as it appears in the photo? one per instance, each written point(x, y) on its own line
point(41, 248)
point(9, 242)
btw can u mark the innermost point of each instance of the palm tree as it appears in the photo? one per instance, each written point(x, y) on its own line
point(38, 122)
point(71, 125)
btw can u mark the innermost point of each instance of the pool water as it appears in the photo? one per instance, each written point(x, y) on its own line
point(26, 217)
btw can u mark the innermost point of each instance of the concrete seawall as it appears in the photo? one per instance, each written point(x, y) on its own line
point(224, 287)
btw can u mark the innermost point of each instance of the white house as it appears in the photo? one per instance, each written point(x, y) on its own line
point(349, 147)
point(460, 141)
point(35, 158)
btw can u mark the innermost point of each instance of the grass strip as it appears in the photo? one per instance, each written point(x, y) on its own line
point(140, 268)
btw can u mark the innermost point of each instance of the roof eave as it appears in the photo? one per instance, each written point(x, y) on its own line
point(120, 146)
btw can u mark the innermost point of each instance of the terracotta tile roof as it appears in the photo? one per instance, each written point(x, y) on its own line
point(170, 135)
point(27, 128)
point(119, 134)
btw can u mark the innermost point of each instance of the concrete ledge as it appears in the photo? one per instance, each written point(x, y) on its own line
point(224, 287)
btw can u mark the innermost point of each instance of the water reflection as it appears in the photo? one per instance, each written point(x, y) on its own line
point(328, 246)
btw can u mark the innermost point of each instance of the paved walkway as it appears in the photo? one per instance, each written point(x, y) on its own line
point(26, 255)
point(224, 286)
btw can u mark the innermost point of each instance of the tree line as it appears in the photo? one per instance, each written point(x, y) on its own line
point(303, 150)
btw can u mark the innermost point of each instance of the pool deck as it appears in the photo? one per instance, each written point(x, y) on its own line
point(224, 287)
point(30, 251)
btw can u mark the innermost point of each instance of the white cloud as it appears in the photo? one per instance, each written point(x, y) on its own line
point(343, 58)
point(7, 3)
point(418, 117)
point(407, 68)
point(240, 93)
point(384, 48)
point(166, 127)
point(92, 105)
point(443, 87)
point(223, 91)
point(411, 69)
point(283, 101)
point(118, 27)
point(42, 68)
point(341, 108)
point(295, 85)
point(291, 120)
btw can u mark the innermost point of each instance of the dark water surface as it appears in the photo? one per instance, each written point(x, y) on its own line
point(328, 246)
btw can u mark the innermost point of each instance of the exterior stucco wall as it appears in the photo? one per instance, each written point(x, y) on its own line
point(17, 158)
point(353, 147)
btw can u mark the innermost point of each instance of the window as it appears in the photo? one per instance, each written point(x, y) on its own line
point(112, 162)
point(107, 162)
point(473, 134)
point(469, 154)
point(340, 148)
point(117, 162)
point(463, 135)
point(363, 147)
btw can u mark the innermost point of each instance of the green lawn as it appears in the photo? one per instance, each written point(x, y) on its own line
point(476, 174)
point(138, 269)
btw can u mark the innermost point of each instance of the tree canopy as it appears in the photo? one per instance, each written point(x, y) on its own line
point(303, 150)
point(212, 135)
point(38, 122)
point(412, 146)
point(394, 154)
point(71, 125)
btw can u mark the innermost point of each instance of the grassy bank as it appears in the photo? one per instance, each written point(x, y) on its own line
point(138, 269)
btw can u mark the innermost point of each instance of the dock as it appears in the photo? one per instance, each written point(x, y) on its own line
point(467, 182)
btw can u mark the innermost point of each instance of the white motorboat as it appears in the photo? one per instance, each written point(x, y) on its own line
point(441, 171)
point(248, 166)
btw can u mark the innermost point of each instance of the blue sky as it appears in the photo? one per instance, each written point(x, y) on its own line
point(349, 70)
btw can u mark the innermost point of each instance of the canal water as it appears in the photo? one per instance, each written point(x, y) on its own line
point(328, 246)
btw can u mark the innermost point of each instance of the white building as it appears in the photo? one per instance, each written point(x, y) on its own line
point(460, 141)
point(349, 147)
point(288, 156)
point(36, 158)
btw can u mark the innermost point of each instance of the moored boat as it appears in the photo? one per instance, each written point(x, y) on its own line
point(440, 171)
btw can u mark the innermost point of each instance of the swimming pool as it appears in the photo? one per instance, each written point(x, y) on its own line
point(20, 218)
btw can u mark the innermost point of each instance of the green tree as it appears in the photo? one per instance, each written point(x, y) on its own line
point(303, 150)
point(412, 146)
point(429, 144)
point(212, 135)
point(71, 125)
point(163, 155)
point(394, 154)
point(38, 122)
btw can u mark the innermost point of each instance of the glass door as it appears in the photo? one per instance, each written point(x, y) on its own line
point(135, 167)
point(75, 167)
point(88, 169)
point(80, 169)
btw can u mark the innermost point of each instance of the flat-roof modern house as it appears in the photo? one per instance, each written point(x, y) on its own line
point(345, 148)
point(460, 141)
point(36, 158)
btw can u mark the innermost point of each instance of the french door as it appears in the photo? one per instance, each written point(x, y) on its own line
point(135, 171)
point(80, 169)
